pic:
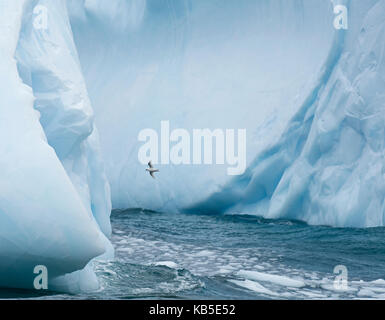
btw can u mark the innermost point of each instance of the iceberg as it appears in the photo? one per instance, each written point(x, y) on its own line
point(328, 165)
point(54, 197)
point(80, 79)
point(309, 94)
point(197, 64)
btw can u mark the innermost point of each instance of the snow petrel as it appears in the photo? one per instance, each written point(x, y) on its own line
point(151, 169)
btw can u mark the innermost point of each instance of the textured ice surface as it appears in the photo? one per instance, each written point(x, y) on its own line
point(310, 96)
point(54, 198)
point(198, 64)
point(328, 165)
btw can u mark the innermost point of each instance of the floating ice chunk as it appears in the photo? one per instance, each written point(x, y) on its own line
point(378, 282)
point(253, 286)
point(366, 292)
point(276, 279)
point(204, 253)
point(169, 264)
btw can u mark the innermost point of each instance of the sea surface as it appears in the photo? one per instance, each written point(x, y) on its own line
point(163, 255)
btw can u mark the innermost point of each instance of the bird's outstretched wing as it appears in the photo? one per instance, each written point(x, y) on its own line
point(152, 174)
point(150, 164)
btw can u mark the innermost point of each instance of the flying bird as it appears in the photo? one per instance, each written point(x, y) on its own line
point(151, 169)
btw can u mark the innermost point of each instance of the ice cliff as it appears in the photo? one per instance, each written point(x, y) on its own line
point(74, 95)
point(54, 198)
point(310, 96)
point(197, 64)
point(328, 165)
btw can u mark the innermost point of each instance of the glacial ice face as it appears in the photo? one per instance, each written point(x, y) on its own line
point(48, 62)
point(328, 166)
point(199, 64)
point(54, 197)
point(310, 97)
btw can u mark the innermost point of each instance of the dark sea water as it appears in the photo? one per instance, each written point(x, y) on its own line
point(182, 256)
